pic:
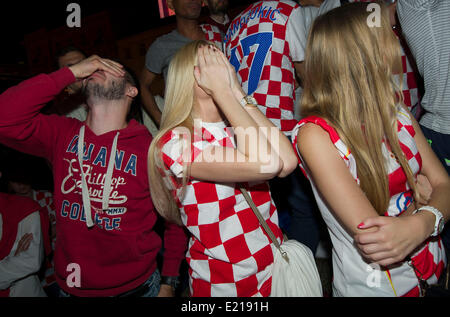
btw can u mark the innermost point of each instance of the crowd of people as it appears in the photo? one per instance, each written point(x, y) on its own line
point(314, 107)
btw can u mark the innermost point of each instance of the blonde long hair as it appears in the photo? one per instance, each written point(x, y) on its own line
point(349, 82)
point(177, 113)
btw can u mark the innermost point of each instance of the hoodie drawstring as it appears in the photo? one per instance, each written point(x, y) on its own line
point(108, 178)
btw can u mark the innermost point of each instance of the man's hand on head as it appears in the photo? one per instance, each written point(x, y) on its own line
point(88, 66)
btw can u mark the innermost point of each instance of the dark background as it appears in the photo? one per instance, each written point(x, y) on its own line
point(18, 18)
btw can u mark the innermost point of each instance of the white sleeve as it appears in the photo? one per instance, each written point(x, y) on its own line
point(299, 24)
point(297, 35)
point(14, 268)
point(328, 5)
point(311, 13)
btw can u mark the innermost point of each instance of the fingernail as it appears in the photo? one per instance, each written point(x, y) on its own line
point(361, 225)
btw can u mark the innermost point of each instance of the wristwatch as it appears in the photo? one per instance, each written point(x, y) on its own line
point(170, 280)
point(248, 100)
point(438, 224)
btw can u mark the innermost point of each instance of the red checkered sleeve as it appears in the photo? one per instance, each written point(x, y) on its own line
point(212, 34)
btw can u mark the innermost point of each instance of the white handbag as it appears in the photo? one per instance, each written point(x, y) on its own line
point(294, 270)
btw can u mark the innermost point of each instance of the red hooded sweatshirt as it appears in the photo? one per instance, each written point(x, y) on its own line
point(118, 253)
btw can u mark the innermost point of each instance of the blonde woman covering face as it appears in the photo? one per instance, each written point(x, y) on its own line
point(210, 145)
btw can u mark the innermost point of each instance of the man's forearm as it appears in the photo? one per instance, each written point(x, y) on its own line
point(151, 106)
point(175, 241)
point(30, 96)
point(22, 127)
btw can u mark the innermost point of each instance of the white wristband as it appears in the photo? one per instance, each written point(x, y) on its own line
point(439, 222)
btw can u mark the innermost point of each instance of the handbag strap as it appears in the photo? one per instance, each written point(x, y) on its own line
point(261, 220)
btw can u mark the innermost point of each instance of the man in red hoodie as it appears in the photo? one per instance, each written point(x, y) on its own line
point(105, 241)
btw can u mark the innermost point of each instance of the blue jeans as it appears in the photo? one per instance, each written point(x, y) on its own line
point(299, 215)
point(151, 288)
point(153, 285)
point(440, 144)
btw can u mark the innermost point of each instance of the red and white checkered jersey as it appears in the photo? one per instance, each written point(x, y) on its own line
point(229, 253)
point(212, 34)
point(411, 95)
point(410, 88)
point(351, 271)
point(262, 43)
point(45, 199)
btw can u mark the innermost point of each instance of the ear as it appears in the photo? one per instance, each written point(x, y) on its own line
point(197, 74)
point(131, 92)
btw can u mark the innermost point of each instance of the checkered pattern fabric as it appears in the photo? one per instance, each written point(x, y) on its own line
point(430, 260)
point(401, 194)
point(257, 46)
point(212, 34)
point(410, 88)
point(229, 253)
point(45, 199)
